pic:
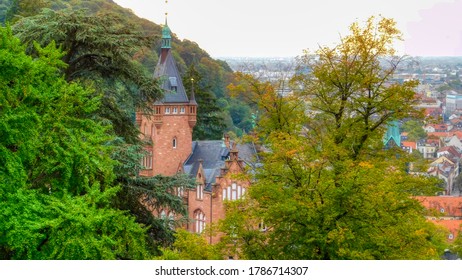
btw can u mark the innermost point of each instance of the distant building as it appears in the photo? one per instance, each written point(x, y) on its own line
point(409, 146)
point(446, 168)
point(393, 136)
point(453, 102)
point(445, 211)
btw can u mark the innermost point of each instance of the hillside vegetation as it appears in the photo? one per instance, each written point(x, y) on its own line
point(213, 75)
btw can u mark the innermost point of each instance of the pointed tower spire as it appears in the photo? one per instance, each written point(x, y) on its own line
point(166, 35)
point(192, 98)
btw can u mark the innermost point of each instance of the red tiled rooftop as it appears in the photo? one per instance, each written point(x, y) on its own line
point(453, 226)
point(409, 144)
point(440, 134)
point(446, 205)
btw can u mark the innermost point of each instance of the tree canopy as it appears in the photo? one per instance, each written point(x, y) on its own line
point(327, 188)
point(99, 52)
point(210, 123)
point(56, 171)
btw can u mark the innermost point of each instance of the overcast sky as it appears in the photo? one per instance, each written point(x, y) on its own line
point(261, 28)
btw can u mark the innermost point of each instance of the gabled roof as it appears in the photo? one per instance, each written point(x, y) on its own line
point(393, 135)
point(212, 154)
point(451, 150)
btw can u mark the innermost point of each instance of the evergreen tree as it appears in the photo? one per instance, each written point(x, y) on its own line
point(56, 173)
point(210, 123)
point(99, 53)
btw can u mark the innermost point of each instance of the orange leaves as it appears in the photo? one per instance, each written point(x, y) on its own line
point(366, 164)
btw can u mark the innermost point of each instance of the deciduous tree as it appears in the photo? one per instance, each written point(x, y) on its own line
point(327, 188)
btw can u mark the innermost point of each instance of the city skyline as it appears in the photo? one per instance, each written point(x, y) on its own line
point(284, 29)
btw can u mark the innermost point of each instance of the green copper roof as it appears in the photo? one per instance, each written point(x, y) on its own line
point(393, 135)
point(166, 36)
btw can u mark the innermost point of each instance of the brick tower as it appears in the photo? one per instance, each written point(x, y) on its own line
point(168, 130)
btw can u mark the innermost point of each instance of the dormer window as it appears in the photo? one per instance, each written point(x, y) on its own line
point(173, 84)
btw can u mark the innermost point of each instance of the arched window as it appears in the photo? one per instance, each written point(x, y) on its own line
point(174, 143)
point(199, 218)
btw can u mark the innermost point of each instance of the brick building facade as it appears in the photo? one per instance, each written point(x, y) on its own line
point(170, 148)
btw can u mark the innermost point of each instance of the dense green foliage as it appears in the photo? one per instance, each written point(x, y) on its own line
point(210, 123)
point(99, 51)
point(215, 74)
point(56, 173)
point(415, 130)
point(190, 246)
point(327, 188)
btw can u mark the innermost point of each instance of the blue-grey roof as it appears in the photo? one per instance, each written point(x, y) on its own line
point(213, 154)
point(167, 71)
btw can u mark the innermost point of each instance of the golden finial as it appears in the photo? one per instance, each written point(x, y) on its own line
point(166, 13)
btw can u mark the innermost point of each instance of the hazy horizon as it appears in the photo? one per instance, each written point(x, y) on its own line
point(260, 28)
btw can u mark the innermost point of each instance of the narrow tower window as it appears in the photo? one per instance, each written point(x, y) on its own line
point(174, 144)
point(199, 217)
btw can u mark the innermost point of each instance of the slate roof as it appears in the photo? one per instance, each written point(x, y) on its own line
point(167, 71)
point(213, 154)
